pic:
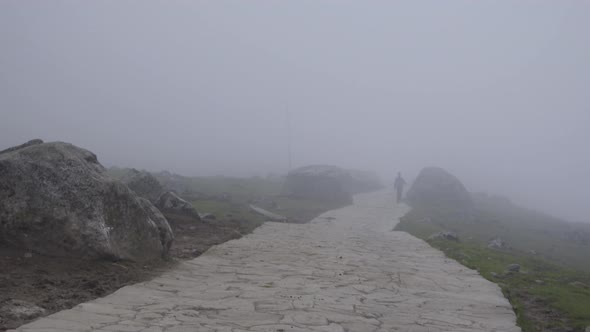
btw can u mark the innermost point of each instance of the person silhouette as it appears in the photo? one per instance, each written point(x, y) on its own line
point(398, 185)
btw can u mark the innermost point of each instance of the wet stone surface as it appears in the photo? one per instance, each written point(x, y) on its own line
point(345, 271)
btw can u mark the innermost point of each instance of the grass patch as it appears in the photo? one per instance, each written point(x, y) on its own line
point(227, 210)
point(230, 197)
point(547, 293)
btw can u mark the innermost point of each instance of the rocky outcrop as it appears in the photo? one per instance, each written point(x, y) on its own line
point(363, 181)
point(56, 199)
point(329, 183)
point(170, 202)
point(325, 183)
point(143, 184)
point(164, 229)
point(18, 147)
point(174, 182)
point(435, 187)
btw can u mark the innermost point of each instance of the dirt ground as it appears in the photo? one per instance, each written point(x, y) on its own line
point(543, 317)
point(55, 284)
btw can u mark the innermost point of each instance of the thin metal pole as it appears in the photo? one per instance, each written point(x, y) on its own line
point(289, 136)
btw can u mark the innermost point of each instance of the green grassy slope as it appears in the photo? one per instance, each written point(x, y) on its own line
point(551, 290)
point(230, 197)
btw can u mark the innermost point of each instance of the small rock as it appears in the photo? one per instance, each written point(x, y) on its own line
point(170, 202)
point(496, 243)
point(209, 216)
point(267, 214)
point(578, 284)
point(494, 274)
point(513, 268)
point(540, 282)
point(532, 252)
point(446, 235)
point(21, 310)
point(587, 329)
point(28, 255)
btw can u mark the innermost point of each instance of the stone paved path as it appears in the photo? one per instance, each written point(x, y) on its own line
point(346, 271)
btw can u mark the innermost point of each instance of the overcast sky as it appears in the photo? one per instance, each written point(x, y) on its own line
point(497, 92)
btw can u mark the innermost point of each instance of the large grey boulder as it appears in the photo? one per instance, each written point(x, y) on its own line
point(18, 147)
point(174, 182)
point(321, 182)
point(164, 229)
point(436, 187)
point(170, 203)
point(363, 181)
point(143, 184)
point(329, 183)
point(56, 199)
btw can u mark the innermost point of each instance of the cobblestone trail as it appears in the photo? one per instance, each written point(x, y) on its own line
point(345, 271)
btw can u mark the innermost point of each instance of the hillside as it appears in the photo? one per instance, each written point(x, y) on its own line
point(551, 291)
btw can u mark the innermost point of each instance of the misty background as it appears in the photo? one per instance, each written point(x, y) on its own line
point(495, 92)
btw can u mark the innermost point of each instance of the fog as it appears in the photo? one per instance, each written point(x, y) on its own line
point(497, 92)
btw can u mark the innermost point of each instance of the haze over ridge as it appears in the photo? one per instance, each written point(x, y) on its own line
point(495, 92)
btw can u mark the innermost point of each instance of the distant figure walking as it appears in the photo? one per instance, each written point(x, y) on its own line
point(398, 185)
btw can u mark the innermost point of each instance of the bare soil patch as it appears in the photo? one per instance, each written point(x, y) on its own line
point(56, 284)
